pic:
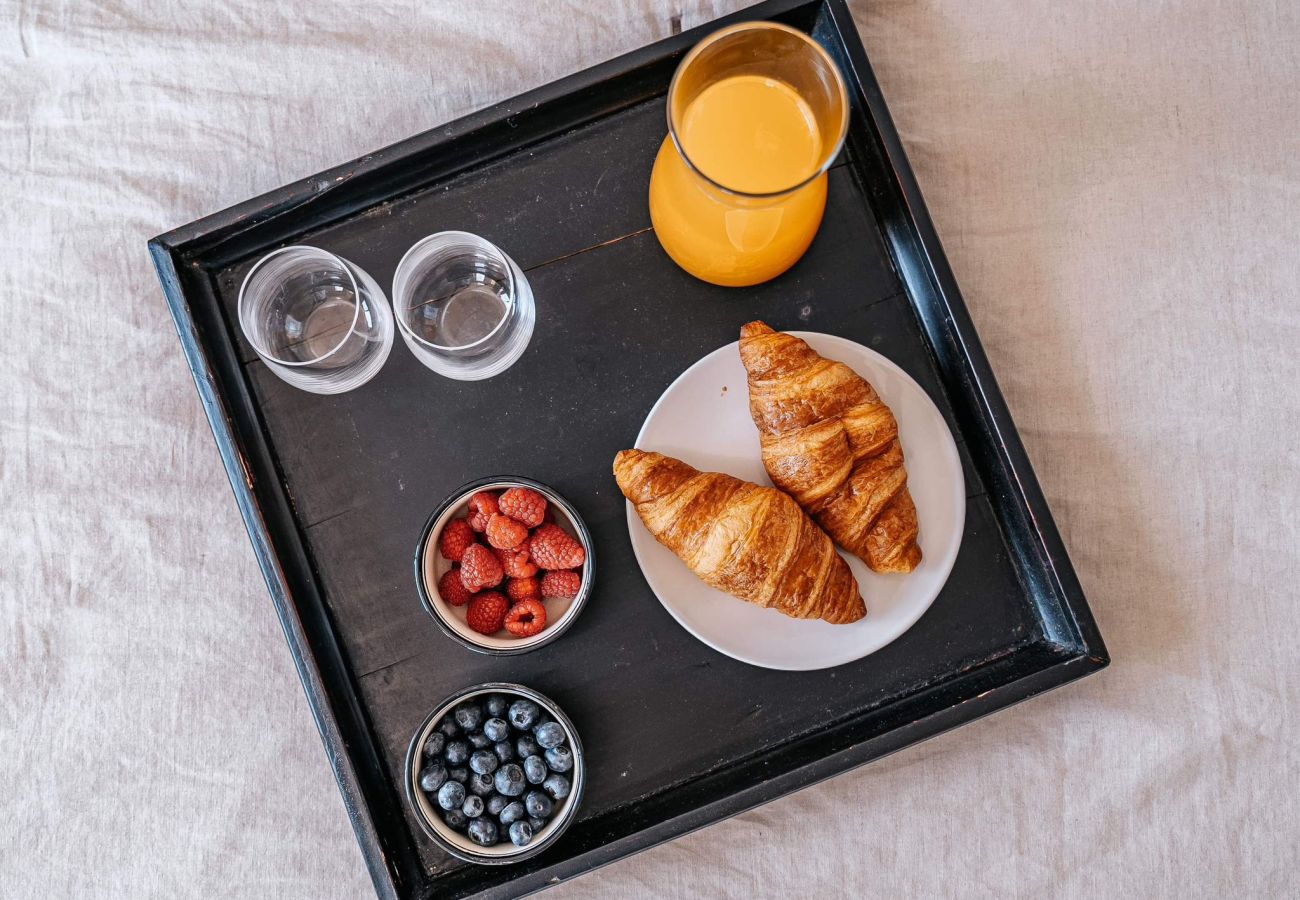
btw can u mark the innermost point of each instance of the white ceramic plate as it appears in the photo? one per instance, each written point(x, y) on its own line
point(703, 419)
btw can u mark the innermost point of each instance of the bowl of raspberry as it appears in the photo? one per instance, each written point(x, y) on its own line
point(495, 773)
point(504, 565)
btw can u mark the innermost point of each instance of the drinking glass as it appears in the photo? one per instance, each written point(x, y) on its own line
point(708, 215)
point(463, 306)
point(319, 322)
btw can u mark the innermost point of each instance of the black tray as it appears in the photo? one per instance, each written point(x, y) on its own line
point(334, 490)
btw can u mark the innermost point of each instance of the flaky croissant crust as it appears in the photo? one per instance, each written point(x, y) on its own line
point(752, 542)
point(830, 442)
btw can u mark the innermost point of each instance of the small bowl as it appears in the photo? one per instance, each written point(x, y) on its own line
point(459, 845)
point(430, 567)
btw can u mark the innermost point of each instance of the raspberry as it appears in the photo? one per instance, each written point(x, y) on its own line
point(479, 568)
point(505, 533)
point(551, 547)
point(524, 505)
point(515, 563)
point(487, 612)
point(523, 589)
point(452, 589)
point(481, 507)
point(455, 538)
point(560, 585)
point(526, 618)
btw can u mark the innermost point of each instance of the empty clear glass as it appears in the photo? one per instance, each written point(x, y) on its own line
point(319, 322)
point(463, 306)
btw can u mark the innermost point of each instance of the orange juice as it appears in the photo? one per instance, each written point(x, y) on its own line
point(752, 137)
point(752, 134)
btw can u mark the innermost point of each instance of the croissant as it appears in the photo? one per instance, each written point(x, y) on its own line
point(831, 443)
point(751, 542)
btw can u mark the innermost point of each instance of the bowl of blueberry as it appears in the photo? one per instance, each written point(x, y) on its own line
point(504, 565)
point(495, 773)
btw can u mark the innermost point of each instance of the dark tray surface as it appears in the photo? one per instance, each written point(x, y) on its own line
point(336, 489)
point(365, 469)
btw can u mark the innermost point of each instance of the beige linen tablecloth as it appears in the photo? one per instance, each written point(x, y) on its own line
point(1118, 188)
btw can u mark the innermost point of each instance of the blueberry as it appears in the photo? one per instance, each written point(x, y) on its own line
point(482, 785)
point(469, 716)
point(510, 780)
point(534, 770)
point(559, 759)
point(433, 746)
point(484, 762)
point(557, 786)
point(504, 751)
point(536, 823)
point(472, 807)
point(520, 834)
point(513, 812)
point(460, 774)
point(483, 832)
point(524, 714)
point(456, 753)
point(496, 803)
point(478, 740)
point(496, 729)
point(550, 734)
point(538, 804)
point(432, 778)
point(527, 747)
point(496, 705)
point(448, 727)
point(451, 795)
point(455, 819)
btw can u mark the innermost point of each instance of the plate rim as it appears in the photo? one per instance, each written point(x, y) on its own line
point(948, 560)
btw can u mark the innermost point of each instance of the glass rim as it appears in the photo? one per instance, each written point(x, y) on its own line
point(730, 30)
point(400, 291)
point(258, 344)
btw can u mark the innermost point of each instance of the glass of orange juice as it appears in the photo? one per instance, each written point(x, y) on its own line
point(756, 114)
